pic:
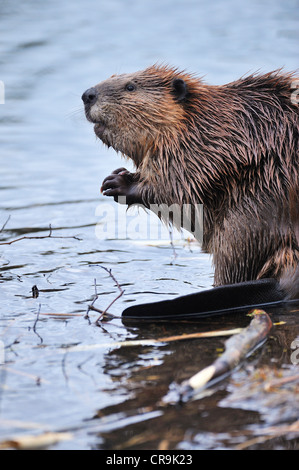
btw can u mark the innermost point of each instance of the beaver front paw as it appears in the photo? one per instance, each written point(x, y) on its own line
point(122, 187)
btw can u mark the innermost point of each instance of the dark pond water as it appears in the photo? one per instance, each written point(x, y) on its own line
point(63, 372)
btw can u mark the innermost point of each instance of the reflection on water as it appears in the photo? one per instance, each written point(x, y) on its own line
point(52, 167)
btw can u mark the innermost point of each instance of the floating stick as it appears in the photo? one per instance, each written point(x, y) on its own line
point(237, 348)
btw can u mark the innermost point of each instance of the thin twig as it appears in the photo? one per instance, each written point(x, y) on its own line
point(269, 433)
point(278, 382)
point(96, 296)
point(91, 307)
point(35, 323)
point(25, 237)
point(4, 225)
point(121, 292)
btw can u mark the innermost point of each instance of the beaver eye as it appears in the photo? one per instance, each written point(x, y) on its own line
point(130, 87)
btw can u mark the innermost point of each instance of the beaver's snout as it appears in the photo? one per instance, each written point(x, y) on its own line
point(90, 96)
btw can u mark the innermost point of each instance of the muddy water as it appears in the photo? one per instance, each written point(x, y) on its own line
point(63, 372)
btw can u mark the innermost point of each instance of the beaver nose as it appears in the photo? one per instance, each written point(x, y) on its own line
point(90, 96)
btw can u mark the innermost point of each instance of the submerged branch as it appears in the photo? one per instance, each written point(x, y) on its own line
point(154, 341)
point(25, 237)
point(237, 348)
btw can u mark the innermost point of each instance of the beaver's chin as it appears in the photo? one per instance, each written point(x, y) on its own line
point(106, 136)
point(109, 139)
point(99, 129)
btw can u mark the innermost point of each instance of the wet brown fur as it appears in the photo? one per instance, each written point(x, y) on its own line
point(233, 148)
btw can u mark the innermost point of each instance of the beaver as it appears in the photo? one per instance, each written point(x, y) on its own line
point(232, 148)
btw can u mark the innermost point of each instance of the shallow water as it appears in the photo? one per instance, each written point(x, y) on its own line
point(107, 395)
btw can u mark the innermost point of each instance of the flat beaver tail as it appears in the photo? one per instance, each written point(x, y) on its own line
point(289, 280)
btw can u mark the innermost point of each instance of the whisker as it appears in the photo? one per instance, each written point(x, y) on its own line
point(76, 114)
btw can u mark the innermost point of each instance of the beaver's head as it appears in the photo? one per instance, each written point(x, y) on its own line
point(132, 112)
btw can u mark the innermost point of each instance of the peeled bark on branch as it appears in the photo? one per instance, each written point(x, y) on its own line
point(237, 348)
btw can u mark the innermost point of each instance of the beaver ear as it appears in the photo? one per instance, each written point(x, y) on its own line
point(179, 89)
